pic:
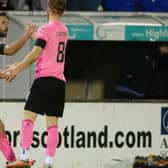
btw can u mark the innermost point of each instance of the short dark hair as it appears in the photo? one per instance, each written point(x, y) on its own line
point(4, 14)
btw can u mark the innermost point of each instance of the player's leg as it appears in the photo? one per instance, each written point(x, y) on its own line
point(54, 109)
point(5, 146)
point(26, 135)
point(52, 140)
point(32, 104)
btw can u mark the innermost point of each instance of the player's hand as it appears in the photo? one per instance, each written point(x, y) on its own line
point(30, 30)
point(9, 73)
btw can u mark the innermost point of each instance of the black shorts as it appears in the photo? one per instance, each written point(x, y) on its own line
point(47, 96)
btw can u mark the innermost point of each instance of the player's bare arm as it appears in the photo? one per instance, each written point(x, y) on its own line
point(17, 45)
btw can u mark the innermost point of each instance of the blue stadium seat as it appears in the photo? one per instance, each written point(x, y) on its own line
point(120, 5)
point(155, 5)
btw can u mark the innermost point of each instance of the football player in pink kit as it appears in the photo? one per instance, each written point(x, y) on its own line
point(47, 94)
point(9, 50)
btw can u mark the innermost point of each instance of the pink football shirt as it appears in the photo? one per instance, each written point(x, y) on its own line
point(51, 62)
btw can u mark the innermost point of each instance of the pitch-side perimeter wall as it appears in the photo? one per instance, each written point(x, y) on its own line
point(92, 135)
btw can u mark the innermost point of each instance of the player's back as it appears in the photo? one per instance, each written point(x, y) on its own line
point(51, 62)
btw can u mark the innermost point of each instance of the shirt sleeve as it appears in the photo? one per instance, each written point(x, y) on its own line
point(2, 46)
point(42, 33)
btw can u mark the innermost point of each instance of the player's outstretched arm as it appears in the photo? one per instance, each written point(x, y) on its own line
point(18, 44)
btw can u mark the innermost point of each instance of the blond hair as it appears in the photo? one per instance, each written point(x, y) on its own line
point(57, 6)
